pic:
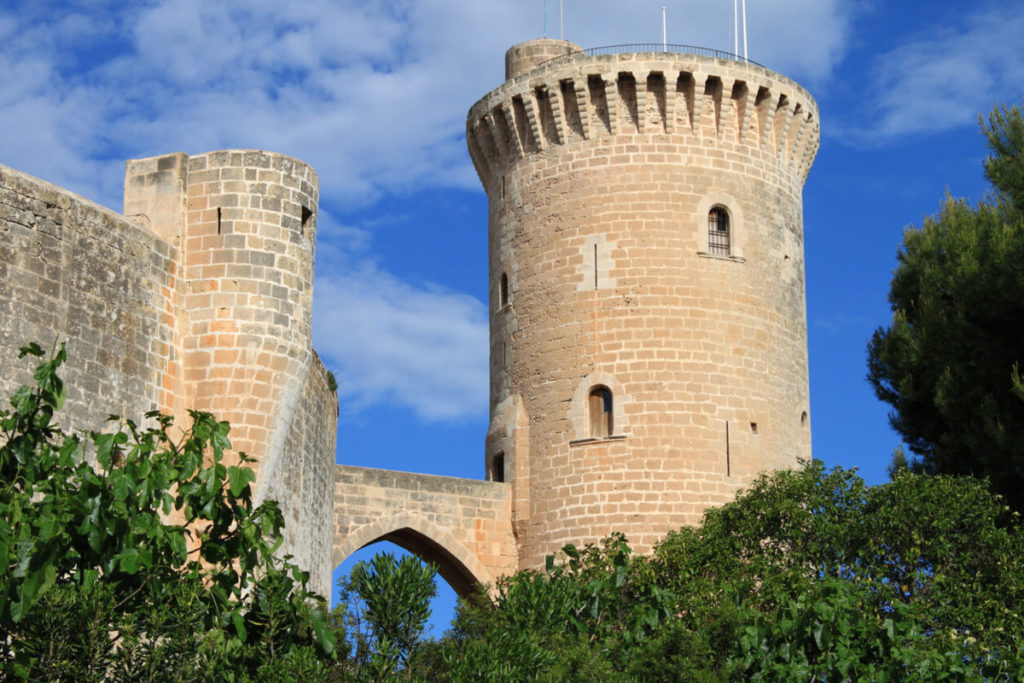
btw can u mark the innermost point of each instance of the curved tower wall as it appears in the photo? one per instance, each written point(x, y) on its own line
point(601, 173)
point(244, 224)
point(245, 221)
point(250, 236)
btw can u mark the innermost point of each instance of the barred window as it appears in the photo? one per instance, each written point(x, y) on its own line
point(503, 291)
point(718, 232)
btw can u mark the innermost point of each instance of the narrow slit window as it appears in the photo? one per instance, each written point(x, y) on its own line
point(498, 467)
point(718, 232)
point(503, 291)
point(307, 216)
point(599, 406)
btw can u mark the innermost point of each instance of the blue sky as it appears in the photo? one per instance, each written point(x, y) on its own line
point(374, 96)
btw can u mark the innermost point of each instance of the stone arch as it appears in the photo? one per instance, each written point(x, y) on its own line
point(431, 543)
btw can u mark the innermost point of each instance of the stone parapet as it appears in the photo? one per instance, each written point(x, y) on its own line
point(693, 100)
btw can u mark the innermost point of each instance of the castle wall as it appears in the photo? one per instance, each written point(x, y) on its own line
point(601, 172)
point(200, 299)
point(73, 271)
point(304, 476)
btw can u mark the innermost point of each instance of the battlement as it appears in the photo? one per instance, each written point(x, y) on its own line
point(693, 99)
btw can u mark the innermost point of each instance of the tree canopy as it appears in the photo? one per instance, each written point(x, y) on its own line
point(948, 363)
point(97, 582)
point(811, 575)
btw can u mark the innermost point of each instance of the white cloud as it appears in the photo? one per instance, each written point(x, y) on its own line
point(421, 347)
point(947, 76)
point(372, 94)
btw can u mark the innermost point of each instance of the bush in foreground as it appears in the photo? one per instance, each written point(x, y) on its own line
point(96, 580)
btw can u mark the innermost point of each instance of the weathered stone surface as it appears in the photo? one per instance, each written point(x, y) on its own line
point(601, 173)
point(180, 306)
point(463, 526)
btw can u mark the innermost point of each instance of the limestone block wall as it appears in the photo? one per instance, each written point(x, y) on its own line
point(304, 476)
point(71, 270)
point(248, 232)
point(461, 525)
point(200, 297)
point(601, 172)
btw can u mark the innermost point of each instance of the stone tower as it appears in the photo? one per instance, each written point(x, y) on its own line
point(198, 297)
point(647, 307)
point(243, 224)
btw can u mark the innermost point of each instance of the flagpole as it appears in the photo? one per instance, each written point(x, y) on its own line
point(664, 33)
point(744, 30)
point(561, 22)
point(735, 28)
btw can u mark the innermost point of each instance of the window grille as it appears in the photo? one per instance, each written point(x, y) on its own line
point(718, 232)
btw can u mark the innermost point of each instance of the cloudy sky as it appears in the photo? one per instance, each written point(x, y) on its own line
point(374, 95)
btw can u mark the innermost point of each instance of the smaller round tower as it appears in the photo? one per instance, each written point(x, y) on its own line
point(250, 235)
point(243, 223)
point(648, 324)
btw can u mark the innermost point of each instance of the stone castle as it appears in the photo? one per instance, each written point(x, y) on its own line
point(647, 310)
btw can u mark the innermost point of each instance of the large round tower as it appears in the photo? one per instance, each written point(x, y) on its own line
point(648, 323)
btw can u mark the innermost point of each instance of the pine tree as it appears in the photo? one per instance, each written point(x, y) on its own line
point(948, 364)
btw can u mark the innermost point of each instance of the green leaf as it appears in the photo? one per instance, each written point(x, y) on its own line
point(324, 635)
point(239, 624)
point(239, 478)
point(128, 559)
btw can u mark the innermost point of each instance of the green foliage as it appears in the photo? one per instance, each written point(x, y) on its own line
point(97, 582)
point(582, 619)
point(831, 579)
point(811, 575)
point(948, 363)
point(385, 604)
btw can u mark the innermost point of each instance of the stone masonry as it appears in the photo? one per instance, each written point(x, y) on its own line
point(611, 292)
point(461, 525)
point(648, 324)
point(199, 297)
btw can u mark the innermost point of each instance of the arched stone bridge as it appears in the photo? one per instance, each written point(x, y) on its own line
point(461, 525)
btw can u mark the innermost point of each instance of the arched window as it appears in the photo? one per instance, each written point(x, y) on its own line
point(718, 232)
point(599, 410)
point(503, 291)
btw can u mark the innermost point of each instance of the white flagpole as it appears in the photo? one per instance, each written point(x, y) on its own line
point(735, 28)
point(744, 30)
point(664, 33)
point(561, 22)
